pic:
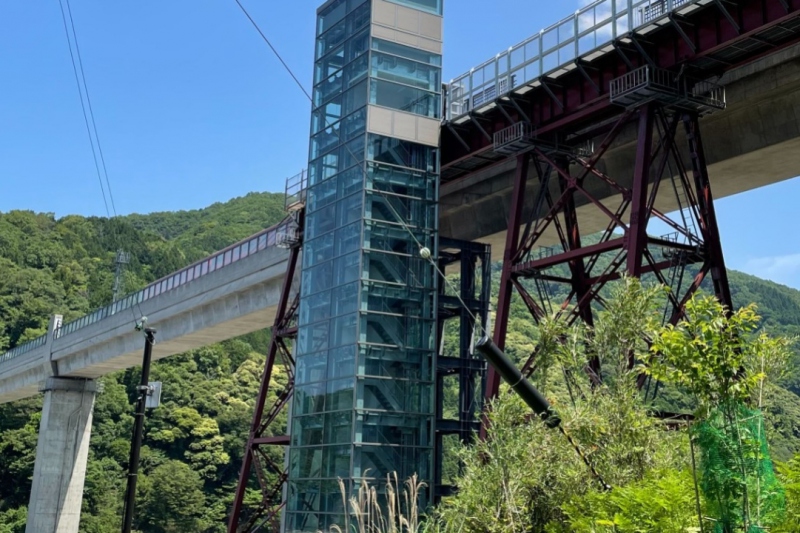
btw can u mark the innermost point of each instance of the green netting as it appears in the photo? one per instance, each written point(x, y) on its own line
point(735, 472)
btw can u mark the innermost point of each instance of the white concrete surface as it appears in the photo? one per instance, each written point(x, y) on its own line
point(61, 455)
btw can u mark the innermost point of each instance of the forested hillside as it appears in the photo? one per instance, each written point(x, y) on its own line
point(194, 443)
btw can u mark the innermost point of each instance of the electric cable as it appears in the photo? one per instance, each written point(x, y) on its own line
point(83, 106)
point(88, 117)
point(91, 110)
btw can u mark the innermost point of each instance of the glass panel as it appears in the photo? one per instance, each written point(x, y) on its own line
point(406, 51)
point(343, 330)
point(307, 430)
point(310, 399)
point(332, 14)
point(393, 395)
point(341, 362)
point(379, 428)
point(340, 395)
point(357, 45)
point(324, 140)
point(337, 464)
point(315, 308)
point(329, 88)
point(394, 363)
point(550, 39)
point(326, 115)
point(356, 71)
point(405, 71)
point(348, 238)
point(331, 39)
point(352, 153)
point(311, 368)
point(401, 332)
point(405, 98)
point(318, 278)
point(355, 98)
point(305, 462)
point(566, 31)
point(329, 64)
point(321, 195)
point(314, 338)
point(355, 124)
point(350, 181)
point(401, 153)
point(346, 268)
point(348, 210)
point(360, 15)
point(303, 522)
point(431, 6)
point(321, 221)
point(323, 168)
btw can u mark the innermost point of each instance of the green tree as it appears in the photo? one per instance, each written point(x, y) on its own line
point(525, 476)
point(172, 500)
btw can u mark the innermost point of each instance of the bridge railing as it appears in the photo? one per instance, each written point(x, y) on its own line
point(553, 50)
point(23, 348)
point(219, 260)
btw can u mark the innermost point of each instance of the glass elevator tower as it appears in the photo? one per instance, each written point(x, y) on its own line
point(365, 355)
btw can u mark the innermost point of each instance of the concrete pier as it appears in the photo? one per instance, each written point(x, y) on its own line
point(61, 455)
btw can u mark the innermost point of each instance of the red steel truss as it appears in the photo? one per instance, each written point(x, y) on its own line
point(706, 42)
point(670, 170)
point(270, 475)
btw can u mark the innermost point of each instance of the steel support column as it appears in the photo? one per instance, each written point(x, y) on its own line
point(637, 236)
point(708, 215)
point(255, 460)
point(506, 281)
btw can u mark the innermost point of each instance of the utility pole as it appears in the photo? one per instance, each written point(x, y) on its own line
point(122, 259)
point(145, 390)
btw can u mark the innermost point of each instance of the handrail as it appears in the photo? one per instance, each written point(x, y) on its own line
point(548, 52)
point(23, 348)
point(221, 259)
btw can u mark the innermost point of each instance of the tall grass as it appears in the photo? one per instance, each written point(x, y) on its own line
point(372, 512)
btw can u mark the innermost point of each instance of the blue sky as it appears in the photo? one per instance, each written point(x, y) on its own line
point(192, 108)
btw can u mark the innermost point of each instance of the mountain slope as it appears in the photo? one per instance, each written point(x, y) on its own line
point(195, 441)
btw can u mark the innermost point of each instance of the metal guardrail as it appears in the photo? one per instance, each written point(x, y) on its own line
point(552, 51)
point(219, 260)
point(24, 348)
point(296, 191)
point(647, 83)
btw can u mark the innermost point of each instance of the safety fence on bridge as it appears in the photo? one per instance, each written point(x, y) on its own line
point(269, 238)
point(554, 50)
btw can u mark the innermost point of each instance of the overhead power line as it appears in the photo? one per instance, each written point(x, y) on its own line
point(274, 51)
point(86, 107)
point(94, 141)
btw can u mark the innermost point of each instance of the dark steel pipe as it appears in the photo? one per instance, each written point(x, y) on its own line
point(138, 430)
point(509, 371)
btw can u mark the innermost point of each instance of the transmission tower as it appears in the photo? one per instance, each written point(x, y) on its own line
point(121, 261)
